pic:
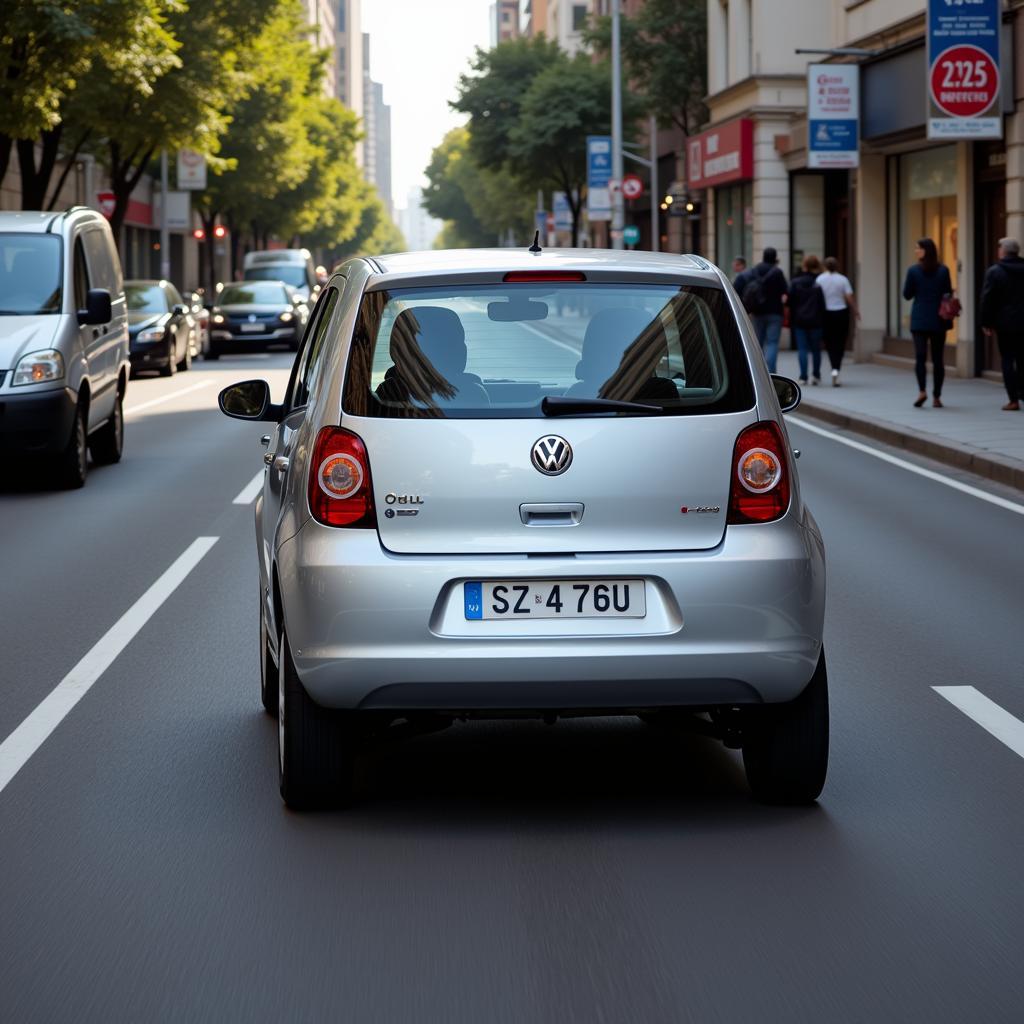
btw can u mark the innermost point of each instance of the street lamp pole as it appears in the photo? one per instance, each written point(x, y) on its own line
point(618, 219)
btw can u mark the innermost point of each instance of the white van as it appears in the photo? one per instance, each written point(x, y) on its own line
point(63, 341)
point(293, 266)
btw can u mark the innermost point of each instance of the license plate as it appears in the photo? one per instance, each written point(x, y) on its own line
point(251, 328)
point(555, 599)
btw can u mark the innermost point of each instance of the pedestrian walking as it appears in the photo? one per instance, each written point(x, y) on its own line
point(1002, 314)
point(839, 304)
point(763, 296)
point(928, 283)
point(741, 274)
point(807, 316)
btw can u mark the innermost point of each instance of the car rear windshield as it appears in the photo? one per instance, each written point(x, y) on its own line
point(268, 293)
point(497, 351)
point(293, 274)
point(30, 274)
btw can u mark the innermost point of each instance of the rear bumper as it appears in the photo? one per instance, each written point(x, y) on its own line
point(231, 341)
point(739, 624)
point(36, 424)
point(148, 354)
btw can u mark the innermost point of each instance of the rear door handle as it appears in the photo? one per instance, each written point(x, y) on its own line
point(551, 513)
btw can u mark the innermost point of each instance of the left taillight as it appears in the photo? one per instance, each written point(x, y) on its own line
point(760, 475)
point(340, 493)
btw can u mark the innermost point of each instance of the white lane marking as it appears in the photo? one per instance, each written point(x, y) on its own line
point(247, 495)
point(975, 492)
point(553, 341)
point(167, 398)
point(987, 713)
point(28, 737)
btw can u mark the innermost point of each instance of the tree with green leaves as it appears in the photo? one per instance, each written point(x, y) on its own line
point(664, 56)
point(478, 205)
point(45, 51)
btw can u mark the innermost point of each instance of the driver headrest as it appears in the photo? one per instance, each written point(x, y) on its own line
point(432, 333)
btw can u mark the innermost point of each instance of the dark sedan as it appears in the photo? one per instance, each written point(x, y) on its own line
point(161, 329)
point(253, 315)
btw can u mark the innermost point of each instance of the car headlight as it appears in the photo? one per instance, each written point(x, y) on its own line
point(37, 367)
point(153, 334)
point(219, 318)
point(287, 316)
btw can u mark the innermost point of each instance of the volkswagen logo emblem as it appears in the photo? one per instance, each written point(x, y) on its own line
point(552, 455)
point(252, 318)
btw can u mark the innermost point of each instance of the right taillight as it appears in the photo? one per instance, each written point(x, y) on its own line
point(339, 480)
point(760, 475)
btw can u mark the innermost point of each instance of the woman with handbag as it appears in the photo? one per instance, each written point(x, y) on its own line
point(934, 306)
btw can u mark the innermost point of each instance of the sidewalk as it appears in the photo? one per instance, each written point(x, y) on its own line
point(971, 432)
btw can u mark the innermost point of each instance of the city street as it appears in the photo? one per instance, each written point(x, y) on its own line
point(595, 870)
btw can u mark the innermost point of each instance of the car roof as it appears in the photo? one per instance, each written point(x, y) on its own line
point(41, 221)
point(447, 261)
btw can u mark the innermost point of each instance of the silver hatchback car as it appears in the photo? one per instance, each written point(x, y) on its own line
point(510, 483)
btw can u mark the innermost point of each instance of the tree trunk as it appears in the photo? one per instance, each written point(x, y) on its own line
point(124, 176)
point(35, 180)
point(6, 145)
point(69, 162)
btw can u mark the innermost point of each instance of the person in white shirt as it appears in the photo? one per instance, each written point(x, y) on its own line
point(839, 303)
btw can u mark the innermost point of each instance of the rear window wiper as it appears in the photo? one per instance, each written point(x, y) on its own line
point(563, 405)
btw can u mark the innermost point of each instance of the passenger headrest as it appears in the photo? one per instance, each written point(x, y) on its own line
point(608, 335)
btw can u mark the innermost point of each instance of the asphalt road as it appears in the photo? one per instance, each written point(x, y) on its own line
point(590, 871)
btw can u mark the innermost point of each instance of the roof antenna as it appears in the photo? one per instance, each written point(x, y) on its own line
point(536, 241)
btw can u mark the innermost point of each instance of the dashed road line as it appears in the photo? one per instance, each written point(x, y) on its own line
point(987, 713)
point(30, 735)
point(928, 474)
point(247, 495)
point(167, 398)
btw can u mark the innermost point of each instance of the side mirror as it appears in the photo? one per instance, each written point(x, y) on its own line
point(787, 391)
point(97, 307)
point(249, 400)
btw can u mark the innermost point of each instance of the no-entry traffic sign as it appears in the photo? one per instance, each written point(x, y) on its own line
point(632, 186)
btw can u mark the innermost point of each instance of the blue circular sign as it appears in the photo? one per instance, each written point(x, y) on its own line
point(631, 234)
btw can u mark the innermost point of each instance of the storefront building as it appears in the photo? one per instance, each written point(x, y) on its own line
point(964, 194)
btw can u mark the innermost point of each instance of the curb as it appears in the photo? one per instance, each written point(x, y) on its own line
point(997, 468)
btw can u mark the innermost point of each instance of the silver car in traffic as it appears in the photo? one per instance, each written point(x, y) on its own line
point(511, 483)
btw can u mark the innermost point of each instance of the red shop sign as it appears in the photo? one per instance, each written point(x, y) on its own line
point(721, 155)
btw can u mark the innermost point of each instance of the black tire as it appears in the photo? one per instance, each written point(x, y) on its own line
point(268, 670)
point(73, 462)
point(785, 747)
point(107, 443)
point(211, 354)
point(315, 749)
point(172, 364)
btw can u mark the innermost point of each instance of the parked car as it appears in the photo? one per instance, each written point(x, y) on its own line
point(251, 316)
point(163, 331)
point(293, 266)
point(201, 315)
point(471, 510)
point(63, 341)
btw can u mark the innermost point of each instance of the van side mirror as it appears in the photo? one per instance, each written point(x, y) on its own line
point(787, 391)
point(249, 400)
point(98, 309)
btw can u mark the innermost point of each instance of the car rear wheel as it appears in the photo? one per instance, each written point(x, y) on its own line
point(73, 462)
point(785, 746)
point(268, 670)
point(315, 748)
point(107, 443)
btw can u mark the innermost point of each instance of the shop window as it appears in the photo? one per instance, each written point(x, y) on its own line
point(734, 225)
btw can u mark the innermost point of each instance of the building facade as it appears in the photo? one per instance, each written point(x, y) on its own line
point(322, 17)
point(751, 165)
point(349, 61)
point(376, 132)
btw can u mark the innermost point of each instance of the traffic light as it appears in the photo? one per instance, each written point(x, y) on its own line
point(220, 231)
point(198, 234)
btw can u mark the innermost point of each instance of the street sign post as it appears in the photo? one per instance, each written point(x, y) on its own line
point(833, 115)
point(963, 70)
point(632, 186)
point(191, 170)
point(631, 234)
point(562, 211)
point(599, 175)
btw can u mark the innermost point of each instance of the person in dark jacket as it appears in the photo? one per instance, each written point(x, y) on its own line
point(767, 312)
point(807, 316)
point(928, 283)
point(1002, 314)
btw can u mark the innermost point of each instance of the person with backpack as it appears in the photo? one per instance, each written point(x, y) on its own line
point(807, 316)
point(763, 296)
point(1002, 314)
point(928, 283)
point(839, 303)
